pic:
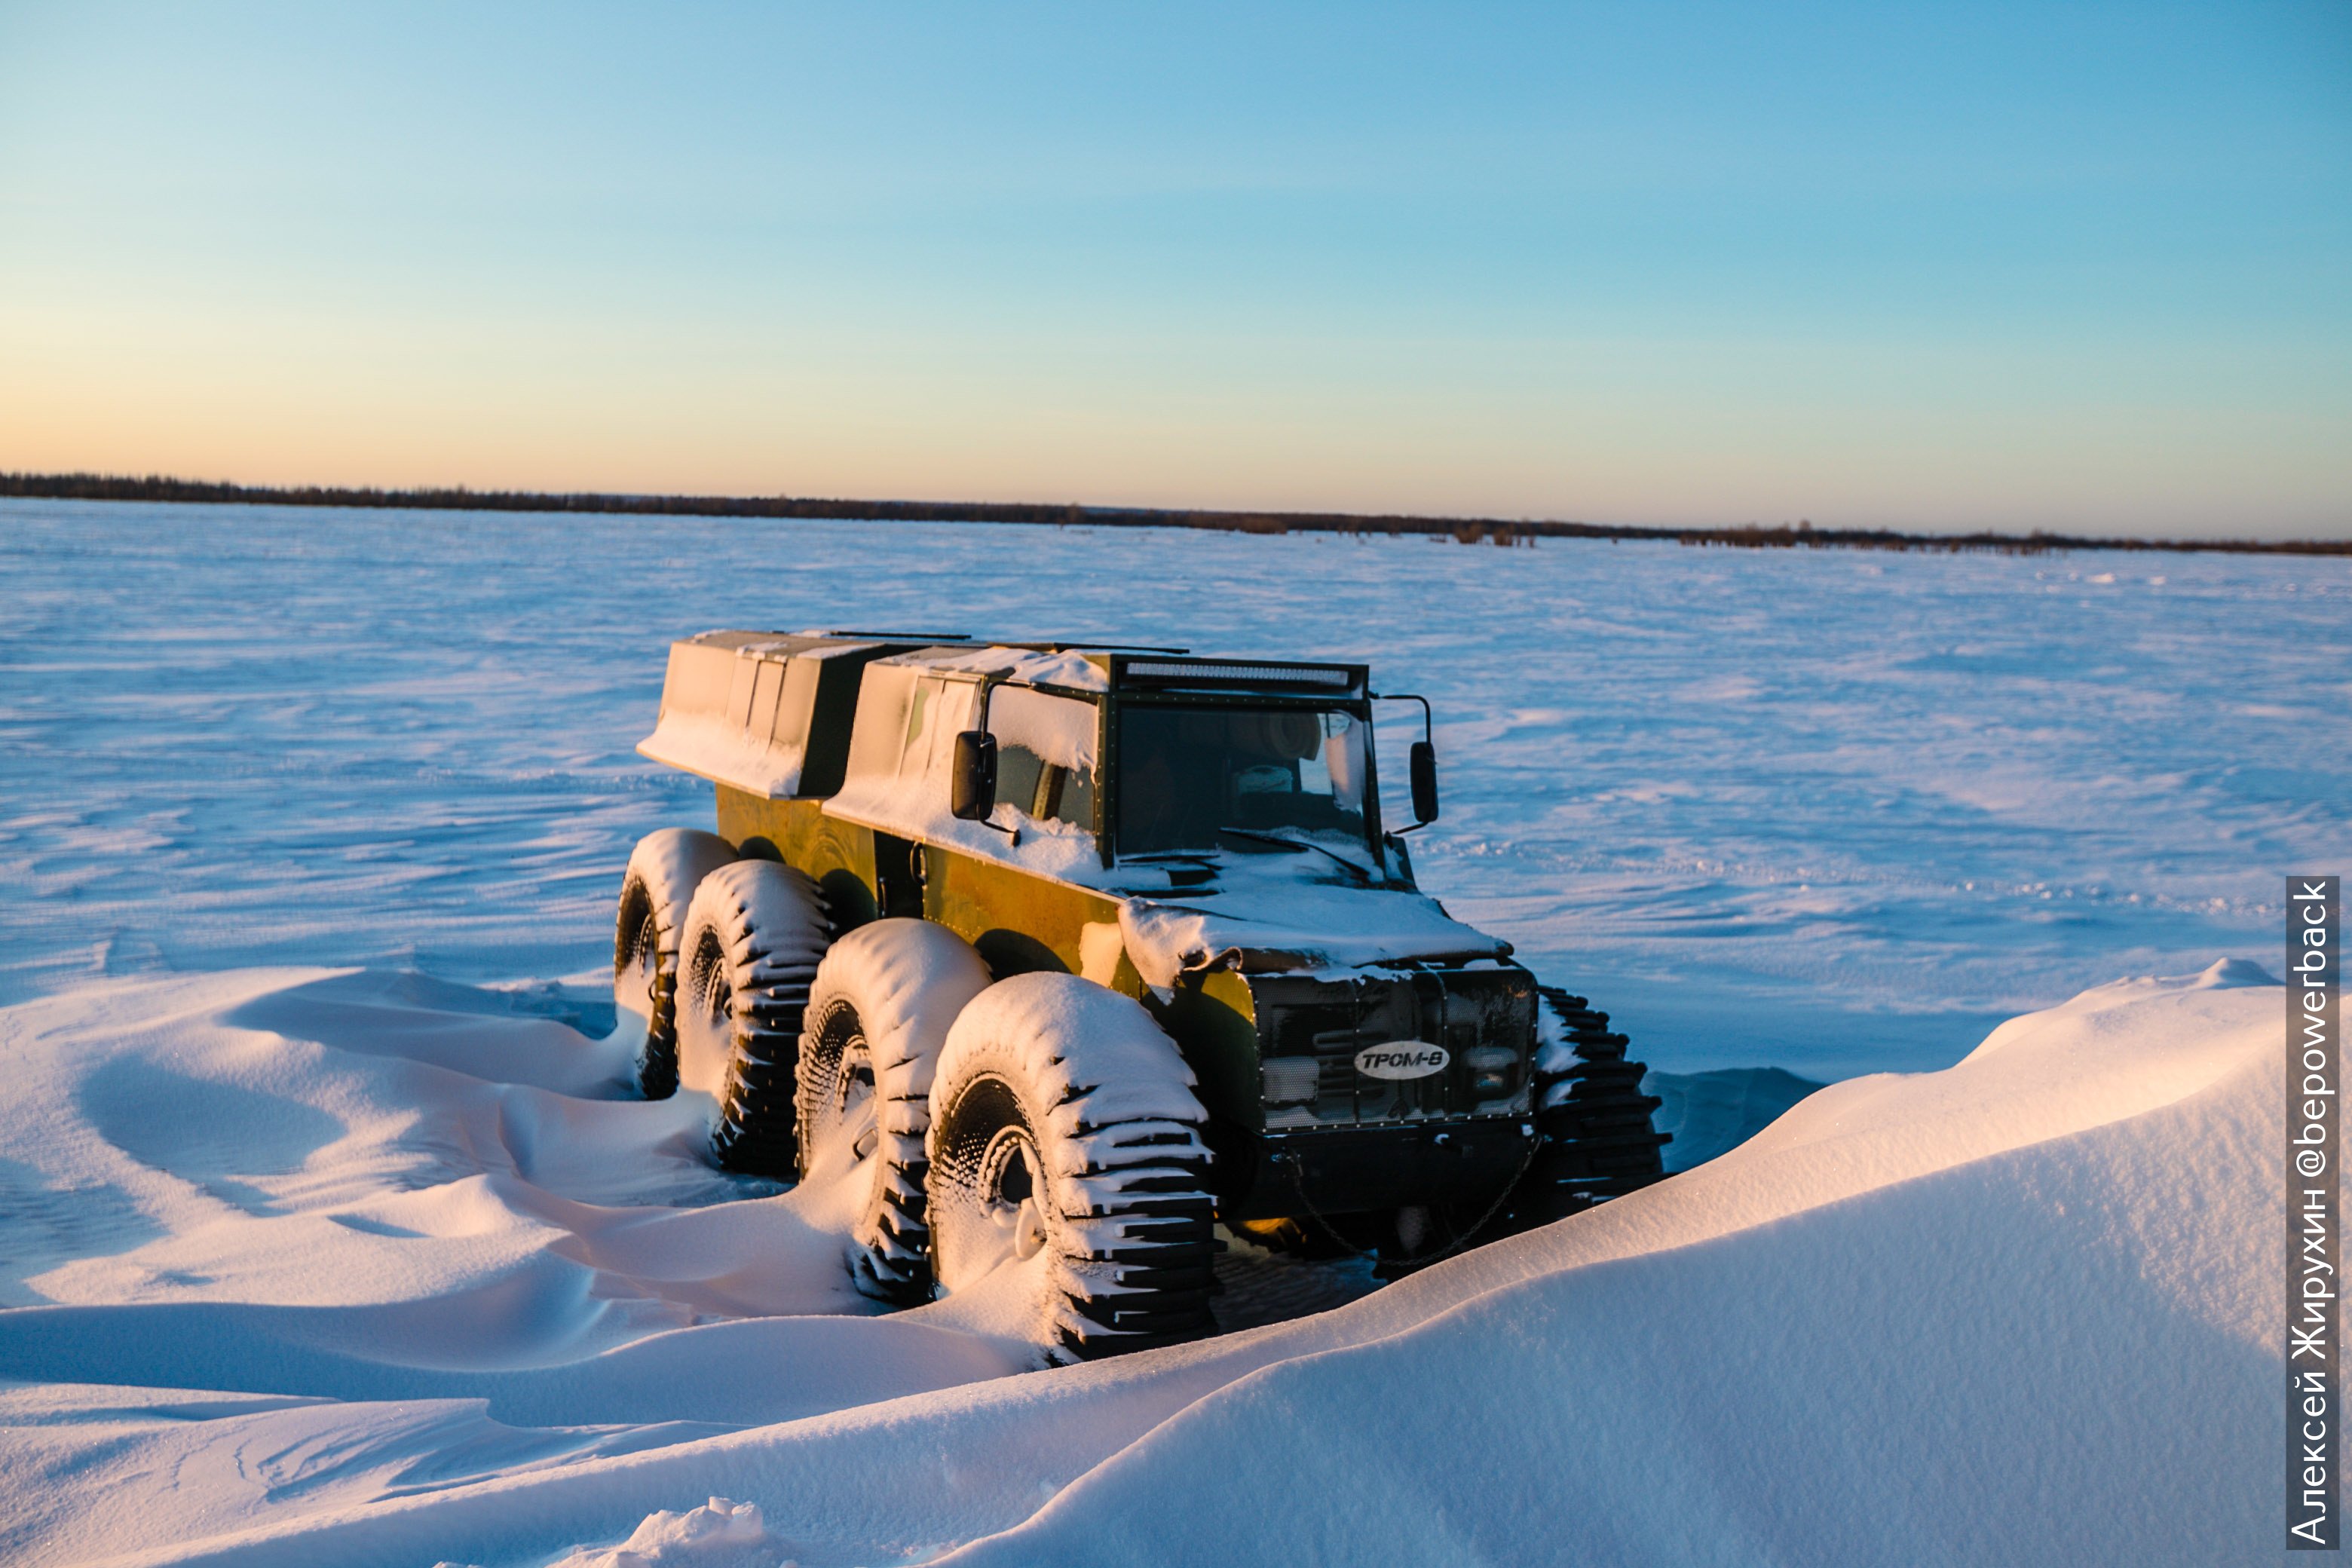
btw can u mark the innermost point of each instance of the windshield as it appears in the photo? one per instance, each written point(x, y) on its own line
point(1189, 776)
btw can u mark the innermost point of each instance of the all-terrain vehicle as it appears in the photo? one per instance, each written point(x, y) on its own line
point(1068, 952)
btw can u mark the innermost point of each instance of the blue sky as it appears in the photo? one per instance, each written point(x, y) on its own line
point(2066, 267)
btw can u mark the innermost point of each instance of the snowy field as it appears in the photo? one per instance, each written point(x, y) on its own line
point(327, 1235)
point(367, 1269)
point(1832, 811)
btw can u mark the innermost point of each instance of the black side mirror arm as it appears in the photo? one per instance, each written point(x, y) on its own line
point(972, 781)
point(1420, 763)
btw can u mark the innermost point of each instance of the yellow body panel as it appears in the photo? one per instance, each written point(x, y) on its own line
point(838, 855)
point(1018, 921)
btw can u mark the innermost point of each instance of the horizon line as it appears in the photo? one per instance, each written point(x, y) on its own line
point(164, 489)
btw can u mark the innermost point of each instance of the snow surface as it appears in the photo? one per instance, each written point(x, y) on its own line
point(376, 1264)
point(366, 1268)
point(720, 1532)
point(1269, 908)
point(1828, 811)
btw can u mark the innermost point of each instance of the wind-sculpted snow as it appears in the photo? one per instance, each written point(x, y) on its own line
point(1830, 811)
point(383, 1263)
point(315, 1294)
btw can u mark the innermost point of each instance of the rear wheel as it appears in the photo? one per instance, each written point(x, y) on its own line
point(655, 894)
point(877, 1019)
point(1064, 1145)
point(754, 935)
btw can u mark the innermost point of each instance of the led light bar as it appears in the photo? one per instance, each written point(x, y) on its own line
point(1321, 678)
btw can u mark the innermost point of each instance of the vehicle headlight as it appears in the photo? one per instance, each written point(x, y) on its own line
point(1492, 1069)
point(1292, 1081)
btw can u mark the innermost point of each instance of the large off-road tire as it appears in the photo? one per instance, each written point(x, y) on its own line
point(664, 870)
point(754, 936)
point(1065, 1144)
point(877, 1019)
point(1595, 1137)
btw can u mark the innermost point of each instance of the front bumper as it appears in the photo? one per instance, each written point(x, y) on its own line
point(1356, 1170)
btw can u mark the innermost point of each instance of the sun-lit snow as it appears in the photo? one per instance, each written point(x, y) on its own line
point(1317, 922)
point(711, 748)
point(366, 1268)
point(371, 1256)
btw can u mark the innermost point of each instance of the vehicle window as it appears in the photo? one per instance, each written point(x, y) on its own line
point(1019, 772)
point(1044, 753)
point(936, 710)
point(1188, 775)
point(1074, 797)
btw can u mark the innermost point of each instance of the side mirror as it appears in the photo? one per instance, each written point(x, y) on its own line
point(971, 794)
point(1423, 764)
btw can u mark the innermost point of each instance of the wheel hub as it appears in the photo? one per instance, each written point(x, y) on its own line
point(1010, 1185)
point(853, 1098)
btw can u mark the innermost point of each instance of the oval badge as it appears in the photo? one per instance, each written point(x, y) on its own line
point(1401, 1059)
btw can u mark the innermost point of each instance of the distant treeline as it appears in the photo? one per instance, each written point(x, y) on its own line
point(1468, 531)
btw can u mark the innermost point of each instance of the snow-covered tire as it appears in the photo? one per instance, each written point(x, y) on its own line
point(876, 1019)
point(664, 870)
point(1065, 1140)
point(754, 936)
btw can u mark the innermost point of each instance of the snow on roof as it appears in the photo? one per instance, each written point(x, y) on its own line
point(1029, 666)
point(708, 746)
point(902, 750)
point(735, 705)
point(811, 644)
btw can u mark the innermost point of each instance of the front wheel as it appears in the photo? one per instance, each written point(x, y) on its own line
point(1065, 1144)
point(877, 1019)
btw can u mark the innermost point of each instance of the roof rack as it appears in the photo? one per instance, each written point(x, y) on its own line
point(1068, 647)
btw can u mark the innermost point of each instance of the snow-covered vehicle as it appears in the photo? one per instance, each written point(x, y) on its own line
point(1069, 953)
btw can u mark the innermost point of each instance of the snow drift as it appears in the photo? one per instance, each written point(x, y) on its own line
point(363, 1269)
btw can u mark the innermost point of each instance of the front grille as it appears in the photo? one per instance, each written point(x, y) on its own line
point(1310, 1033)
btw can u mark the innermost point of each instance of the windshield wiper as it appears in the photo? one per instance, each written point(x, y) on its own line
point(1362, 873)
